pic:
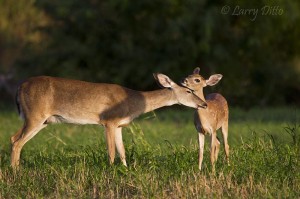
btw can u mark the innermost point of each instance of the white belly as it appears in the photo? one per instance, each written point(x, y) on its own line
point(73, 120)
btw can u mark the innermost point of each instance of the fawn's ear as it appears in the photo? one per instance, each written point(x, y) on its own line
point(213, 79)
point(163, 80)
point(196, 71)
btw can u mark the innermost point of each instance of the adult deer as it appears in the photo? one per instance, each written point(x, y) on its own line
point(44, 100)
point(212, 118)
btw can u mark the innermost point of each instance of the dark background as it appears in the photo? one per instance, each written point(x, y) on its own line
point(124, 42)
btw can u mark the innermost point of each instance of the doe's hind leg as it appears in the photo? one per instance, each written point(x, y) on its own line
point(15, 137)
point(29, 130)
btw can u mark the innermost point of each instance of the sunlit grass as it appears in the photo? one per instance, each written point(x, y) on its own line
point(161, 148)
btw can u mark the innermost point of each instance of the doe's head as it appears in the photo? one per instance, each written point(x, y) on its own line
point(183, 95)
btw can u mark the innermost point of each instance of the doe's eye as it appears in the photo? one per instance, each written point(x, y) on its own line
point(188, 91)
point(197, 80)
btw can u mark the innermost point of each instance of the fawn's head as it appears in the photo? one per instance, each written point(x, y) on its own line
point(196, 82)
point(183, 95)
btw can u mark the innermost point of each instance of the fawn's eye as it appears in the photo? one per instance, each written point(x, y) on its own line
point(197, 80)
point(188, 91)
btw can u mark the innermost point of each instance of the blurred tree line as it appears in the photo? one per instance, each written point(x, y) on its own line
point(124, 42)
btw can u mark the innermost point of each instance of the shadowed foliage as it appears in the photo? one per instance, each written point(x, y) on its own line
point(125, 41)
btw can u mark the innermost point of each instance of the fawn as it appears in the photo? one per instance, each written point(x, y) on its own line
point(212, 118)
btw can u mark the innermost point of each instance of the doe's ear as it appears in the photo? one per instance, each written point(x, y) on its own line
point(163, 80)
point(214, 79)
point(196, 71)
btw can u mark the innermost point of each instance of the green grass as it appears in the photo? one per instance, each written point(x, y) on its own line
point(65, 161)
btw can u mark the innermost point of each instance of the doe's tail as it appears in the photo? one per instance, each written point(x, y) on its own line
point(17, 99)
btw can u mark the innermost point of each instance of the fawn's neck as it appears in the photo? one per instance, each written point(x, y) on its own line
point(200, 94)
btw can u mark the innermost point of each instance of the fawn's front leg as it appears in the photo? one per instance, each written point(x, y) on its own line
point(201, 149)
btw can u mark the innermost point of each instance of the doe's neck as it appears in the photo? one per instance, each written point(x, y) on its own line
point(159, 98)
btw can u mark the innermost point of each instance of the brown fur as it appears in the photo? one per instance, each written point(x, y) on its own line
point(212, 118)
point(44, 100)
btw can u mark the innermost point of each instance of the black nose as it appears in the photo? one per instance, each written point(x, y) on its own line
point(203, 105)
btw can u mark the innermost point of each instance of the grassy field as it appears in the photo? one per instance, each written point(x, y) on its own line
point(70, 161)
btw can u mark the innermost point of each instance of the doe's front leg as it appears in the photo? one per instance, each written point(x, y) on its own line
point(120, 145)
point(110, 142)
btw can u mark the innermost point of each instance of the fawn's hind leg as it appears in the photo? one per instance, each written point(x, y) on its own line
point(217, 149)
point(225, 137)
point(213, 149)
